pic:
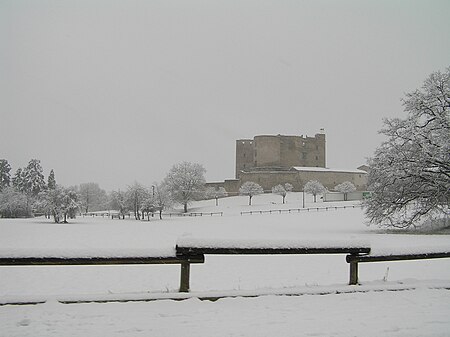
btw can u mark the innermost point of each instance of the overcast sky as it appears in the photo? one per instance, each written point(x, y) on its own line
point(118, 91)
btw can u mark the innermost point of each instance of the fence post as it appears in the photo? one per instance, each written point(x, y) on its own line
point(184, 278)
point(353, 271)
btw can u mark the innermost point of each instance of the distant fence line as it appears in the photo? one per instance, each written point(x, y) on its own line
point(116, 215)
point(298, 210)
point(194, 214)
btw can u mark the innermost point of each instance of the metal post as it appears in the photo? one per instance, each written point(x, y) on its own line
point(184, 280)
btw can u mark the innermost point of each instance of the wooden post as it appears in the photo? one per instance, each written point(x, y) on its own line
point(184, 279)
point(353, 273)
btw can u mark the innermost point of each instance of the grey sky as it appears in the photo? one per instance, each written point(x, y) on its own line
point(118, 91)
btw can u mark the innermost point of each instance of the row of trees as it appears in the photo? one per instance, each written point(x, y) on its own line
point(313, 187)
point(184, 183)
point(27, 192)
point(18, 193)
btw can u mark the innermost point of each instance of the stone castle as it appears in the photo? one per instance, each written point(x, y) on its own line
point(279, 152)
point(270, 160)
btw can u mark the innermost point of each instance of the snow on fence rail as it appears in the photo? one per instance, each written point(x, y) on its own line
point(298, 210)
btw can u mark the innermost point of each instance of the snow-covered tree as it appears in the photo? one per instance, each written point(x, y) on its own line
point(61, 202)
point(5, 176)
point(148, 206)
point(216, 193)
point(92, 197)
point(288, 187)
point(51, 181)
point(119, 202)
point(13, 203)
point(346, 187)
point(18, 180)
point(280, 190)
point(136, 194)
point(162, 198)
point(186, 182)
point(410, 172)
point(251, 189)
point(33, 178)
point(315, 188)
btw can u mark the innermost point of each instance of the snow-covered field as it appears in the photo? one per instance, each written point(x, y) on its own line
point(326, 306)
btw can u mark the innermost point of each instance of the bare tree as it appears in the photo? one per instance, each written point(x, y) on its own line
point(185, 182)
point(162, 198)
point(119, 202)
point(135, 196)
point(251, 189)
point(410, 172)
point(315, 188)
point(93, 198)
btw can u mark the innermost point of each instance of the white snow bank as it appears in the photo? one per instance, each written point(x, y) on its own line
point(422, 249)
point(86, 253)
point(269, 243)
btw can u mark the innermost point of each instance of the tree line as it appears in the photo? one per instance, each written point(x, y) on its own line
point(313, 187)
point(28, 193)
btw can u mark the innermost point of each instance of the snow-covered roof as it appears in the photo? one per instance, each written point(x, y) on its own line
point(326, 169)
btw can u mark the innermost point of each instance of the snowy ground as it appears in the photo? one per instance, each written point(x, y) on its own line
point(423, 310)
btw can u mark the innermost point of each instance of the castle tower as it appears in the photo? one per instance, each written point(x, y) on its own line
point(280, 152)
point(244, 155)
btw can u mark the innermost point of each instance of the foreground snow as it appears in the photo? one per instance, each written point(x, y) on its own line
point(403, 313)
point(423, 311)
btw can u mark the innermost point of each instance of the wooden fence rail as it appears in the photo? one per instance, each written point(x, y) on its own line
point(183, 260)
point(193, 214)
point(298, 210)
point(188, 253)
point(354, 259)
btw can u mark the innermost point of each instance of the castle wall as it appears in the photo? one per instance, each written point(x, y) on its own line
point(298, 179)
point(267, 151)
